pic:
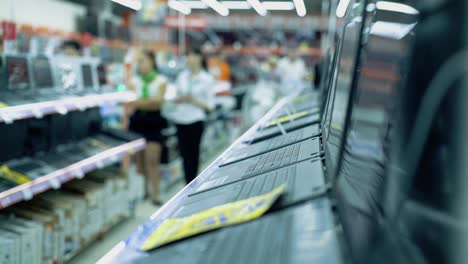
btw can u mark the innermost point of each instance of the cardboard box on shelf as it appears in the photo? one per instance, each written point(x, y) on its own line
point(60, 202)
point(14, 257)
point(94, 195)
point(8, 250)
point(50, 235)
point(34, 230)
point(27, 249)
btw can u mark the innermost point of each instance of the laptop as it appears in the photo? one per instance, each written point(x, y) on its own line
point(31, 168)
point(88, 72)
point(43, 79)
point(18, 89)
point(294, 235)
point(66, 74)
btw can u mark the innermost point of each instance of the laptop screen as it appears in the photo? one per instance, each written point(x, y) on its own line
point(67, 75)
point(17, 73)
point(87, 75)
point(341, 91)
point(42, 72)
point(102, 74)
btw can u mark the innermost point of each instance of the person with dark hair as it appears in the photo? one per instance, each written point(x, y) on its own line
point(146, 120)
point(195, 97)
point(71, 48)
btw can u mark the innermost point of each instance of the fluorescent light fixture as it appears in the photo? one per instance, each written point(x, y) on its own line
point(300, 7)
point(391, 29)
point(195, 4)
point(278, 6)
point(258, 7)
point(133, 4)
point(217, 6)
point(179, 6)
point(237, 5)
point(397, 7)
point(341, 8)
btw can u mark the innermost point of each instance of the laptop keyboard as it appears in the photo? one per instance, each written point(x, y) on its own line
point(261, 185)
point(26, 167)
point(274, 160)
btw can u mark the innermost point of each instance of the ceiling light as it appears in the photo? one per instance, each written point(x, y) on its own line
point(258, 7)
point(217, 6)
point(397, 7)
point(341, 8)
point(300, 7)
point(179, 6)
point(195, 4)
point(237, 5)
point(133, 4)
point(278, 6)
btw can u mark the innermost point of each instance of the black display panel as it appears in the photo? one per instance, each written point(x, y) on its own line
point(17, 73)
point(42, 72)
point(342, 87)
point(87, 75)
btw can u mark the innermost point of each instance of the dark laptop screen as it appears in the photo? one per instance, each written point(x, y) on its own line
point(341, 90)
point(87, 75)
point(102, 74)
point(42, 72)
point(17, 73)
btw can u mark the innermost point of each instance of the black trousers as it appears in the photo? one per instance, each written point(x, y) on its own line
point(189, 137)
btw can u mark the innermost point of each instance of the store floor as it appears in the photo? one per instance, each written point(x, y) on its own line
point(100, 247)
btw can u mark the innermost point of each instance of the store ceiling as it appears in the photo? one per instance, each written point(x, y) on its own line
point(312, 6)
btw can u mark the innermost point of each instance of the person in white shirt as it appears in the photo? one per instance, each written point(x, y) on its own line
point(146, 120)
point(292, 70)
point(195, 97)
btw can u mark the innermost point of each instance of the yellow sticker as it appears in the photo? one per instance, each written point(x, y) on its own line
point(220, 216)
point(2, 105)
point(13, 176)
point(287, 118)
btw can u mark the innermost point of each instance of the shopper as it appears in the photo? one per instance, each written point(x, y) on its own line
point(292, 70)
point(146, 119)
point(195, 97)
point(72, 48)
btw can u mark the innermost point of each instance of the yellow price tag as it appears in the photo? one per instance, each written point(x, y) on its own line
point(2, 105)
point(287, 118)
point(13, 176)
point(220, 216)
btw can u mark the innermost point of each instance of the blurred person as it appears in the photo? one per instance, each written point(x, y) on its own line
point(195, 97)
point(146, 119)
point(220, 68)
point(293, 72)
point(71, 48)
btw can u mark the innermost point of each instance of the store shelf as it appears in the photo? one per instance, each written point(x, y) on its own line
point(62, 106)
point(77, 170)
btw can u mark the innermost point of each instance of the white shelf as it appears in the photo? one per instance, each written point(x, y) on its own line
point(63, 106)
point(77, 170)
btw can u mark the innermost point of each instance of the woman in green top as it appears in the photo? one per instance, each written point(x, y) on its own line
point(147, 121)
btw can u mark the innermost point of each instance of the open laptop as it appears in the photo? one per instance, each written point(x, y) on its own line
point(43, 79)
point(88, 77)
point(17, 89)
point(305, 178)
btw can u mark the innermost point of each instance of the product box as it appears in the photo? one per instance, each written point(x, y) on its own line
point(51, 231)
point(75, 216)
point(6, 235)
point(27, 247)
point(34, 229)
point(59, 217)
point(8, 249)
point(94, 195)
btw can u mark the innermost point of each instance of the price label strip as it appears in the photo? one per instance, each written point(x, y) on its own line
point(6, 118)
point(79, 174)
point(37, 113)
point(27, 194)
point(220, 216)
point(54, 182)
